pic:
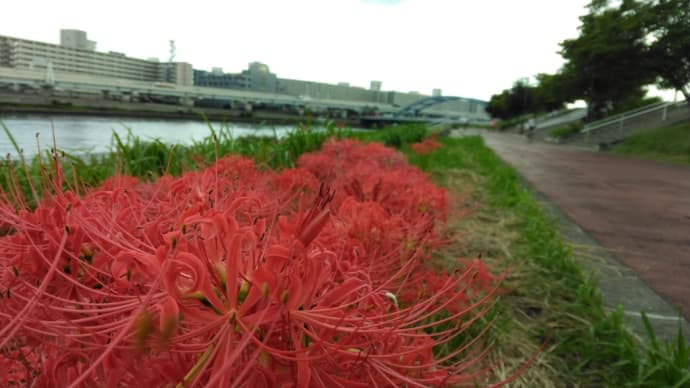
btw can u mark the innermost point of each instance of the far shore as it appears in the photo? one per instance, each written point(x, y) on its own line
point(21, 104)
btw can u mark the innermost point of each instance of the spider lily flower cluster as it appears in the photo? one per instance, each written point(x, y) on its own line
point(234, 276)
point(426, 146)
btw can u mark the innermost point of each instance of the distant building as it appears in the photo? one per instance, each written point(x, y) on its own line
point(217, 79)
point(76, 39)
point(179, 73)
point(75, 54)
point(260, 78)
point(324, 91)
point(257, 78)
point(436, 93)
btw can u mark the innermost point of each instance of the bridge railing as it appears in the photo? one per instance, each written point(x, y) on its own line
point(621, 126)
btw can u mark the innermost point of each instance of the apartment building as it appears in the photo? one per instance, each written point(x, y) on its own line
point(76, 54)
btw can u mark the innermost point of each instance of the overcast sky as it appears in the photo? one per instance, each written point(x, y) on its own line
point(467, 48)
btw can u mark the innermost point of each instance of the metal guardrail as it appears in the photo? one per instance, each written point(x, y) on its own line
point(623, 125)
point(629, 114)
point(573, 115)
point(551, 115)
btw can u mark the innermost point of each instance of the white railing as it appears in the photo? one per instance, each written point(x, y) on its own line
point(625, 124)
point(551, 115)
point(564, 118)
point(620, 118)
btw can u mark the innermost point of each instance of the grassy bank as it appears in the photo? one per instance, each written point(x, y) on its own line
point(548, 305)
point(150, 159)
point(549, 299)
point(670, 144)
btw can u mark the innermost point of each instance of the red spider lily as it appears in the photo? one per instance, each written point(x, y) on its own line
point(426, 146)
point(227, 277)
point(376, 173)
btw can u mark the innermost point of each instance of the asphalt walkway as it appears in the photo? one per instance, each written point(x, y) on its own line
point(628, 220)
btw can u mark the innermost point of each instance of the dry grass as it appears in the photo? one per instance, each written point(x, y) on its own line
point(476, 230)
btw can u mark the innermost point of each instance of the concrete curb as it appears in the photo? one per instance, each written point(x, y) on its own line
point(619, 285)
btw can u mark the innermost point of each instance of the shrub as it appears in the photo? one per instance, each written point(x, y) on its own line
point(565, 132)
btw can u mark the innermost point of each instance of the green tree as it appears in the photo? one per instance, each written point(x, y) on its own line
point(519, 100)
point(498, 105)
point(623, 46)
point(669, 51)
point(606, 64)
point(549, 94)
point(552, 92)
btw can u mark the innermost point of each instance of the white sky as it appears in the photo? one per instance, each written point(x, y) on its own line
point(469, 48)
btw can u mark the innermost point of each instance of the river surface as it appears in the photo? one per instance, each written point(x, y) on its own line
point(80, 134)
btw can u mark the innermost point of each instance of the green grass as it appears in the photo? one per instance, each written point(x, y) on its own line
point(667, 144)
point(149, 159)
point(552, 299)
point(567, 131)
point(396, 136)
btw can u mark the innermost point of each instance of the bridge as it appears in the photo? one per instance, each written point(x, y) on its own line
point(411, 113)
point(413, 109)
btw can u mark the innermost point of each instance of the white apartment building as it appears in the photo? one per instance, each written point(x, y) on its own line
point(76, 54)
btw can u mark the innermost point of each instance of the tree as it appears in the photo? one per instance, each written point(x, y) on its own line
point(606, 65)
point(669, 50)
point(552, 92)
point(497, 106)
point(519, 100)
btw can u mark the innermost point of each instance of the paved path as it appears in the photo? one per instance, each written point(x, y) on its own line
point(637, 210)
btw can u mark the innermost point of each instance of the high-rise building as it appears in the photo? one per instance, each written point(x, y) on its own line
point(375, 86)
point(75, 54)
point(436, 92)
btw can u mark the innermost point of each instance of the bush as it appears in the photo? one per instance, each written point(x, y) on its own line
point(566, 132)
point(400, 135)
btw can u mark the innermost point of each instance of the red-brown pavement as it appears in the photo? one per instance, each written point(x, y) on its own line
point(637, 209)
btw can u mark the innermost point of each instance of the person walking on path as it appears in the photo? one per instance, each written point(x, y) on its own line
point(531, 126)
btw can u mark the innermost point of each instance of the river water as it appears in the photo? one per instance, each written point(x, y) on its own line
point(82, 134)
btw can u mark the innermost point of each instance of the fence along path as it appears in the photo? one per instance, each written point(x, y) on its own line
point(619, 127)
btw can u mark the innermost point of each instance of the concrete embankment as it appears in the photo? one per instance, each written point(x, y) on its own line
point(15, 104)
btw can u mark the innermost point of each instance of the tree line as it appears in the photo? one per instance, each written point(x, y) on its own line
point(623, 47)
